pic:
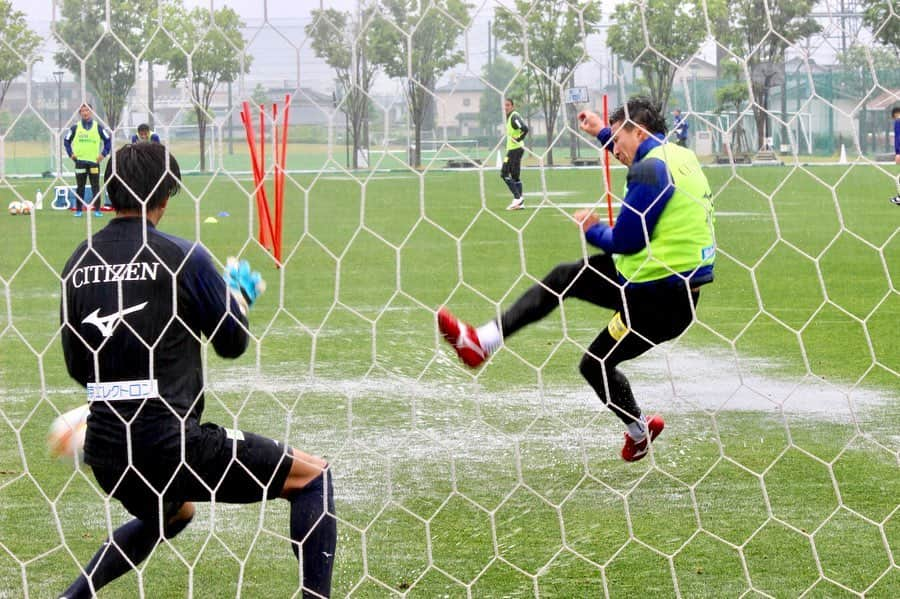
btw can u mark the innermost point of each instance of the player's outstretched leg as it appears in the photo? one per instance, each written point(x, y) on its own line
point(466, 339)
point(131, 544)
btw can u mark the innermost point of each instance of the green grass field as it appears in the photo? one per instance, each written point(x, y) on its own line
point(778, 473)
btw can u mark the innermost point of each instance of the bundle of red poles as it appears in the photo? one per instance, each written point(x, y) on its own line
point(269, 231)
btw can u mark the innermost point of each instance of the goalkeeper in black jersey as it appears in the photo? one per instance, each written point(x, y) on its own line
point(135, 304)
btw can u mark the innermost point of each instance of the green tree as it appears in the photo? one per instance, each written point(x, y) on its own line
point(760, 31)
point(881, 16)
point(28, 127)
point(260, 96)
point(415, 41)
point(208, 50)
point(340, 39)
point(509, 83)
point(674, 28)
point(17, 45)
point(548, 35)
point(732, 97)
point(862, 65)
point(109, 61)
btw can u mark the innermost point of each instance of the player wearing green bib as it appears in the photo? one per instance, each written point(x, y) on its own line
point(655, 258)
point(516, 130)
point(87, 144)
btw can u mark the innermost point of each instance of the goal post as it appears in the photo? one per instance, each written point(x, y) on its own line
point(777, 471)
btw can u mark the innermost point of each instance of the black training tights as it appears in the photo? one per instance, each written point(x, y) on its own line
point(649, 315)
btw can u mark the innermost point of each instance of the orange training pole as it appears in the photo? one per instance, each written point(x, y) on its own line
point(262, 204)
point(276, 242)
point(607, 179)
point(267, 242)
point(279, 196)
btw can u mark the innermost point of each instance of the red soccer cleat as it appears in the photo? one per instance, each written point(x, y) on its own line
point(636, 450)
point(462, 337)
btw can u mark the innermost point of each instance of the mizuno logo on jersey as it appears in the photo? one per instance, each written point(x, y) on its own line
point(111, 273)
point(107, 323)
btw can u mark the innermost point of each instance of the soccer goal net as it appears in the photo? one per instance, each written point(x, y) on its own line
point(352, 152)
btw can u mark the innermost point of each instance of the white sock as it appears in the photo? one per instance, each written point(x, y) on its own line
point(637, 429)
point(489, 336)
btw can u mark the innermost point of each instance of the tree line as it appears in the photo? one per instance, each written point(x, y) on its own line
point(104, 42)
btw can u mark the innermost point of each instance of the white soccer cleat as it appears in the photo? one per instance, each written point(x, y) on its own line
point(516, 204)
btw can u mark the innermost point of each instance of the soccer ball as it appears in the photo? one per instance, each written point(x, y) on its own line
point(66, 436)
point(27, 207)
point(15, 207)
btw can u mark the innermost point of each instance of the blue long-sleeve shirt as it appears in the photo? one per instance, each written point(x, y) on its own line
point(649, 190)
point(681, 127)
point(153, 138)
point(104, 137)
point(897, 137)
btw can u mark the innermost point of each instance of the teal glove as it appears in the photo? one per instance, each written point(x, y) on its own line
point(245, 285)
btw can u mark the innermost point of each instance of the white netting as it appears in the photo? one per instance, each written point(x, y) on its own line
point(779, 470)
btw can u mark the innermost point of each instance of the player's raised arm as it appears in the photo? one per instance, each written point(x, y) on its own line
point(221, 308)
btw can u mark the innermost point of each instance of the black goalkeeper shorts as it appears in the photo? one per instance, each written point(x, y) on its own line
point(224, 465)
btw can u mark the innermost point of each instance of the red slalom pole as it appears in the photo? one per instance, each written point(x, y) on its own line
point(607, 179)
point(266, 243)
point(279, 195)
point(267, 235)
point(262, 204)
point(276, 242)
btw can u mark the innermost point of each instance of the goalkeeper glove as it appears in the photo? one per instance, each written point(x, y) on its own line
point(245, 285)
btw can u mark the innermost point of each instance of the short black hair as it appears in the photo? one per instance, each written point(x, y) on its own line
point(141, 174)
point(511, 101)
point(895, 113)
point(143, 128)
point(640, 111)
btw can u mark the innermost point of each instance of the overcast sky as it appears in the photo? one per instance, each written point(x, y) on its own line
point(281, 53)
point(42, 10)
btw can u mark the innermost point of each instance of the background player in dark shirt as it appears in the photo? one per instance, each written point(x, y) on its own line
point(135, 303)
point(681, 126)
point(145, 134)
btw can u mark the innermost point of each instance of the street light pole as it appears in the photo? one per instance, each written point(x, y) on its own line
point(59, 76)
point(230, 122)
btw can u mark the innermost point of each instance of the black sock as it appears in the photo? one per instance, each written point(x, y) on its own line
point(315, 530)
point(518, 189)
point(136, 539)
point(511, 185)
point(621, 399)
